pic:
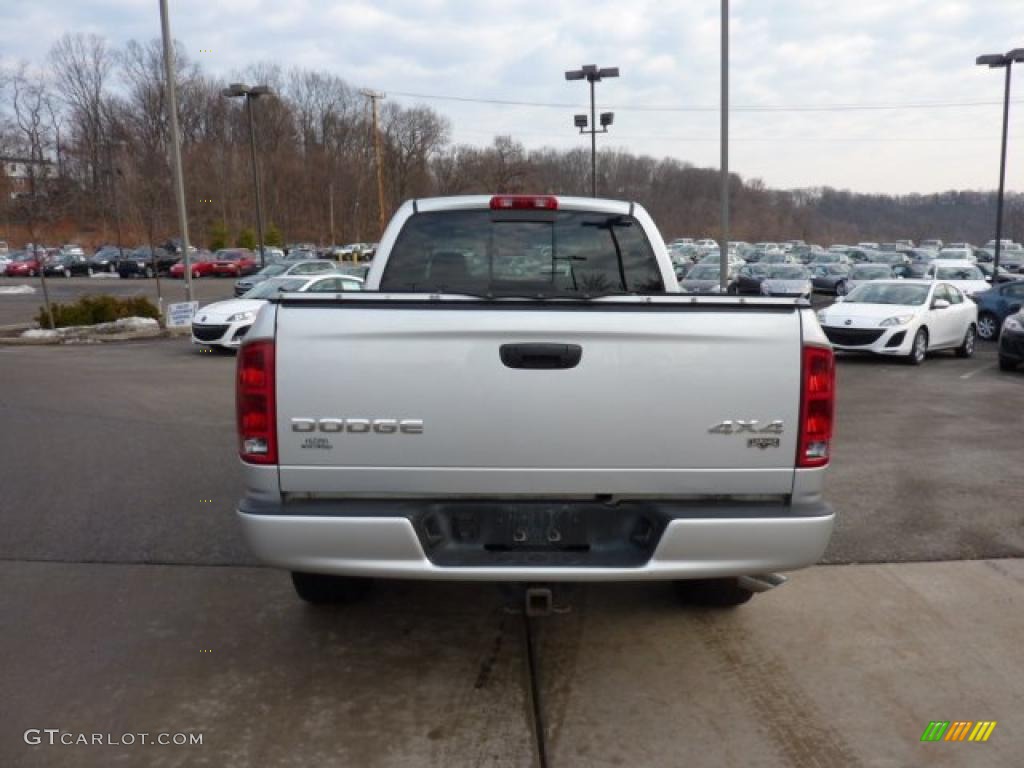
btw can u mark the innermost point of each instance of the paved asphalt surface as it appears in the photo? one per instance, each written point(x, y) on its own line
point(118, 477)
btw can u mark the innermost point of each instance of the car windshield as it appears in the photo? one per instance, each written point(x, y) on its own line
point(887, 293)
point(886, 258)
point(515, 253)
point(792, 272)
point(959, 273)
point(269, 289)
point(870, 273)
point(704, 272)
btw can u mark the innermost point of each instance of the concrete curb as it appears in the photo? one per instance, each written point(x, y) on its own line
point(98, 338)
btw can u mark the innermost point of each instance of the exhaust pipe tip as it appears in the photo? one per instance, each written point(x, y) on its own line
point(761, 582)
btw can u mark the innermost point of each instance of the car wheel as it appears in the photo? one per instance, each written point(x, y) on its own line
point(712, 593)
point(1006, 364)
point(733, 289)
point(919, 349)
point(31, 273)
point(195, 274)
point(111, 268)
point(322, 589)
point(841, 288)
point(988, 326)
point(966, 349)
point(148, 272)
point(67, 274)
point(89, 272)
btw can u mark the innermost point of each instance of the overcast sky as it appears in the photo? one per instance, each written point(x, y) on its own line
point(785, 53)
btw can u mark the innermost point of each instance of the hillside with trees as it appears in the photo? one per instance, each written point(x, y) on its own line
point(84, 142)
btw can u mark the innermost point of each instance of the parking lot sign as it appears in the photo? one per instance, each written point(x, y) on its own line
point(180, 315)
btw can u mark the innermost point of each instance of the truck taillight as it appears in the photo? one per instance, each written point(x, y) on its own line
point(817, 399)
point(255, 402)
point(524, 203)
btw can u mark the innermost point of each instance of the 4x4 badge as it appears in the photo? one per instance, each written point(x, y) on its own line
point(739, 426)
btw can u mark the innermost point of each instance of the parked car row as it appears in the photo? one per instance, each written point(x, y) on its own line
point(166, 259)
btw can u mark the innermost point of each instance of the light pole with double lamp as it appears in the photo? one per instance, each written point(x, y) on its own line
point(592, 74)
point(1004, 61)
point(239, 90)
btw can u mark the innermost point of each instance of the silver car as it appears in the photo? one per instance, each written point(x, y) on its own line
point(284, 269)
point(787, 280)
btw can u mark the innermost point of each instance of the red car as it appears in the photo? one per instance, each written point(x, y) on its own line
point(234, 262)
point(202, 264)
point(23, 265)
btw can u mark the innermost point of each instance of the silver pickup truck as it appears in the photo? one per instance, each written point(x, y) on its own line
point(522, 394)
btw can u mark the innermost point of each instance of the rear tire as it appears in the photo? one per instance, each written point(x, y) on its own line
point(988, 326)
point(841, 288)
point(1006, 364)
point(919, 349)
point(712, 593)
point(148, 272)
point(322, 589)
point(966, 349)
point(89, 272)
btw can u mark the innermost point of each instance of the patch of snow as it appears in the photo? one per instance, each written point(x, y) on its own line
point(16, 289)
point(40, 333)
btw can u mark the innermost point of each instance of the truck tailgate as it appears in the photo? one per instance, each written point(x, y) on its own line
point(634, 417)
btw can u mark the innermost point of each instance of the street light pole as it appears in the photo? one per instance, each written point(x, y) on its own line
point(172, 110)
point(256, 182)
point(236, 90)
point(593, 144)
point(593, 74)
point(997, 61)
point(1002, 176)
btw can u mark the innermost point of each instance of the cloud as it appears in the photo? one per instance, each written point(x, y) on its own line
point(783, 52)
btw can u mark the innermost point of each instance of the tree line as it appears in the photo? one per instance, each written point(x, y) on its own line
point(89, 128)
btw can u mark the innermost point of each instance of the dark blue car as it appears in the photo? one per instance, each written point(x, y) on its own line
point(995, 305)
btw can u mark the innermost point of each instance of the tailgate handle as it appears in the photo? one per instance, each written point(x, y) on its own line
point(541, 356)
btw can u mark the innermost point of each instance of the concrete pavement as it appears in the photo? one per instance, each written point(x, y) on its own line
point(844, 666)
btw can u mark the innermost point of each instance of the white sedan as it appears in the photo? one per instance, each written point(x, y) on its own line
point(225, 323)
point(963, 274)
point(902, 318)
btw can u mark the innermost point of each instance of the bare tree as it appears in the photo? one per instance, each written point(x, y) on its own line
point(34, 138)
point(81, 68)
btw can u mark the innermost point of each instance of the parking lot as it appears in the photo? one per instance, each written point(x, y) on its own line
point(139, 610)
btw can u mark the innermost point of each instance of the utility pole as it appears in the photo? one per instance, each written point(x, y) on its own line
point(374, 96)
point(172, 109)
point(330, 196)
point(723, 249)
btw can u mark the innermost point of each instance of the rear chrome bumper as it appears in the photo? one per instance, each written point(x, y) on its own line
point(388, 547)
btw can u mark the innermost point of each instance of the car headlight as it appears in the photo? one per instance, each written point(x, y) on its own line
point(1013, 323)
point(889, 322)
point(239, 316)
